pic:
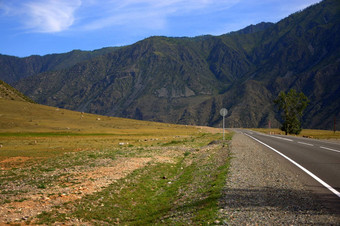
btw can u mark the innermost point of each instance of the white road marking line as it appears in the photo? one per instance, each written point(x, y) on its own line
point(329, 149)
point(305, 143)
point(301, 167)
point(280, 138)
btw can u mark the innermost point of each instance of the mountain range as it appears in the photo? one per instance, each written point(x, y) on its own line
point(188, 80)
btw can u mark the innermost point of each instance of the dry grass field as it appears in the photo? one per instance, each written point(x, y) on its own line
point(37, 131)
point(60, 166)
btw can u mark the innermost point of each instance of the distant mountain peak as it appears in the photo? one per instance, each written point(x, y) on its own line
point(254, 28)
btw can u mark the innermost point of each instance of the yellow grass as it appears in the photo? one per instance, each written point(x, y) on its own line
point(37, 131)
point(17, 117)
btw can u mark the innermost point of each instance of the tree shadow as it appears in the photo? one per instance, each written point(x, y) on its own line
point(264, 199)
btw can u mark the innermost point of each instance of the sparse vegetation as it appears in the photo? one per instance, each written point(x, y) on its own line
point(185, 190)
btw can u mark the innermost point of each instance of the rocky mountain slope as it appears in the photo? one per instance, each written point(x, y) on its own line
point(7, 92)
point(15, 68)
point(187, 80)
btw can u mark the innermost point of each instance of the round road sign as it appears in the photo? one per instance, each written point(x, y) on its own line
point(223, 112)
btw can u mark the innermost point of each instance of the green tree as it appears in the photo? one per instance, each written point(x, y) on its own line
point(292, 105)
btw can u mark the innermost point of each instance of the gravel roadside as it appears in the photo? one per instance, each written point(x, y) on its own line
point(262, 191)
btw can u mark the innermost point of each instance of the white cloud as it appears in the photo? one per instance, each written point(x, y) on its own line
point(151, 14)
point(51, 15)
point(45, 16)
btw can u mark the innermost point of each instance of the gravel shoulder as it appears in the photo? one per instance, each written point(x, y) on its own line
point(262, 190)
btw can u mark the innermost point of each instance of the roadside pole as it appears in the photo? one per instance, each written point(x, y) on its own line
point(334, 124)
point(223, 113)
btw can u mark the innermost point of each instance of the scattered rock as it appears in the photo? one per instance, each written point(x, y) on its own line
point(25, 218)
point(45, 198)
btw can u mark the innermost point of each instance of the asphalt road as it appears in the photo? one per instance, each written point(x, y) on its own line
point(320, 160)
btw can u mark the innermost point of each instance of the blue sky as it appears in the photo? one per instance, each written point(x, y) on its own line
point(55, 26)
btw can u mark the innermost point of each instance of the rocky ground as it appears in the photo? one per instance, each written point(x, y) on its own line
point(96, 187)
point(74, 186)
point(262, 191)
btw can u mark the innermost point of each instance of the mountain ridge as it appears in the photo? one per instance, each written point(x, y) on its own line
point(35, 64)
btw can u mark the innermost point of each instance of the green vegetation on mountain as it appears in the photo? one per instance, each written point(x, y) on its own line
point(187, 80)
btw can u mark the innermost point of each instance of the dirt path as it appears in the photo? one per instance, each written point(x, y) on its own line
point(87, 182)
point(261, 190)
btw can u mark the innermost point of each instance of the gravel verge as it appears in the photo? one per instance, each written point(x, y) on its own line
point(260, 190)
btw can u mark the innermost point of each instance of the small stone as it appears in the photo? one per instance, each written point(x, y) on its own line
point(217, 222)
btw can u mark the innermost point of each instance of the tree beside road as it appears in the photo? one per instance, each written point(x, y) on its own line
point(292, 104)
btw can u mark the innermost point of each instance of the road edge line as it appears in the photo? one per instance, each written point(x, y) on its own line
point(298, 165)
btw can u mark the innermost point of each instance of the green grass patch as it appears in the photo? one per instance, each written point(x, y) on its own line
point(174, 142)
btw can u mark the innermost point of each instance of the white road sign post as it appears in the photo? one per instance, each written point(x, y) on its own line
point(223, 113)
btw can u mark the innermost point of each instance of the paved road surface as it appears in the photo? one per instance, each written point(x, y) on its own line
point(320, 158)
